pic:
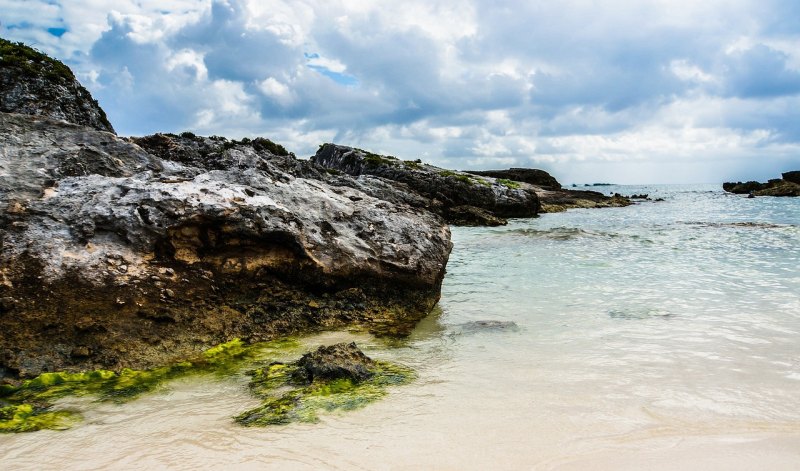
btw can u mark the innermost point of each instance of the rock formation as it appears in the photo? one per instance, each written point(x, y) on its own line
point(789, 185)
point(533, 176)
point(136, 252)
point(35, 84)
point(460, 197)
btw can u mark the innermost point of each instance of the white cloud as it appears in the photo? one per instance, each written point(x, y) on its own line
point(589, 90)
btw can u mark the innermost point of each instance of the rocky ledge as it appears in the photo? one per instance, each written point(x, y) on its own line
point(789, 185)
point(33, 83)
point(461, 198)
point(114, 254)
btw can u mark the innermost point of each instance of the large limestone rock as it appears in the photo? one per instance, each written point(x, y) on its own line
point(115, 256)
point(460, 197)
point(35, 84)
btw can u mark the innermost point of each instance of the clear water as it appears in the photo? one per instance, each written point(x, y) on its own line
point(660, 336)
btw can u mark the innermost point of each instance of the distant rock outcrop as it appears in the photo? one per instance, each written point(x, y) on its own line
point(533, 176)
point(789, 185)
point(35, 84)
point(460, 197)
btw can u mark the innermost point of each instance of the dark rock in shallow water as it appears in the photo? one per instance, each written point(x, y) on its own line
point(561, 200)
point(35, 84)
point(442, 190)
point(340, 361)
point(471, 216)
point(776, 187)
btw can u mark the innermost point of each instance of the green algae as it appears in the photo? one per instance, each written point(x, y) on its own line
point(285, 401)
point(29, 406)
point(29, 418)
point(509, 183)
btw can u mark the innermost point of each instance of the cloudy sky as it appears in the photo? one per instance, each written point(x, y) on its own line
point(628, 91)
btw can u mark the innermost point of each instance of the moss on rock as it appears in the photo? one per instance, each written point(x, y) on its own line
point(29, 406)
point(286, 402)
point(287, 396)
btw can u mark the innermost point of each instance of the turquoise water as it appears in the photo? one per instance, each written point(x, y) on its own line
point(665, 335)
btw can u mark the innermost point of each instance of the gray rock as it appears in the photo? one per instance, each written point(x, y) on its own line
point(252, 240)
point(527, 175)
point(440, 189)
point(340, 361)
point(35, 84)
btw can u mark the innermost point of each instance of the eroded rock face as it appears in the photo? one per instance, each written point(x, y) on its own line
point(441, 190)
point(35, 84)
point(114, 257)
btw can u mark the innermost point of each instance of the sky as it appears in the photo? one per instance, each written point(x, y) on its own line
point(624, 91)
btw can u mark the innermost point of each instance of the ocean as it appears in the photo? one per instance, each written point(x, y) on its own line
point(664, 335)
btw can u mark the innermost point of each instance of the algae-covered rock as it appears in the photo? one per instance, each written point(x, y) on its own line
point(340, 361)
point(29, 406)
point(339, 377)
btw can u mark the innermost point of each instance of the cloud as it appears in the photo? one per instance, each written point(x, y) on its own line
point(590, 90)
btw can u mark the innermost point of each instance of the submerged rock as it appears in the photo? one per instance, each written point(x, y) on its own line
point(440, 190)
point(789, 185)
point(485, 326)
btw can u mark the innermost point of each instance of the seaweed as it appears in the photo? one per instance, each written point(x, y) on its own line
point(286, 397)
point(286, 401)
point(30, 406)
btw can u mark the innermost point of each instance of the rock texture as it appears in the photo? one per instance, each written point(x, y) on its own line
point(458, 196)
point(35, 84)
point(339, 361)
point(554, 201)
point(533, 176)
point(118, 255)
point(552, 196)
point(789, 185)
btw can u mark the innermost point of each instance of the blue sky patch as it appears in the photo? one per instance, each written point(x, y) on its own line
point(57, 32)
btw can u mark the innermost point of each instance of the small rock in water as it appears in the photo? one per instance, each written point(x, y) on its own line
point(335, 362)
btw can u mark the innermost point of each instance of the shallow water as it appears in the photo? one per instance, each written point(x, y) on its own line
point(660, 336)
